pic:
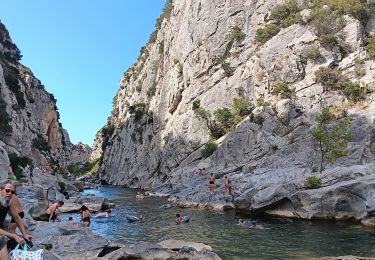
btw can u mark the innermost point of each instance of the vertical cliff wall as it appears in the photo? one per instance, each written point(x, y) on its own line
point(204, 56)
point(29, 119)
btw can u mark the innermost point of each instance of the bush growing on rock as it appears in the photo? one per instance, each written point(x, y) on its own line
point(5, 127)
point(354, 92)
point(224, 117)
point(264, 34)
point(236, 34)
point(333, 79)
point(242, 106)
point(329, 78)
point(228, 70)
point(196, 104)
point(331, 137)
point(287, 13)
point(328, 40)
point(17, 163)
point(313, 182)
point(152, 90)
point(283, 89)
point(209, 148)
point(40, 143)
point(356, 8)
point(370, 47)
point(325, 22)
point(312, 53)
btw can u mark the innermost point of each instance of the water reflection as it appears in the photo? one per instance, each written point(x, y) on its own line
point(281, 238)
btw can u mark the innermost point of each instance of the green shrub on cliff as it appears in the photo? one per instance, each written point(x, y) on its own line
point(313, 182)
point(370, 47)
point(264, 34)
point(331, 137)
point(5, 127)
point(236, 34)
point(17, 163)
point(325, 22)
point(209, 148)
point(286, 13)
point(152, 89)
point(283, 90)
point(40, 143)
point(356, 8)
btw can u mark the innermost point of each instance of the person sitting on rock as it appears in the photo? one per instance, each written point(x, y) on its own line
point(17, 205)
point(53, 211)
point(7, 190)
point(86, 215)
point(139, 196)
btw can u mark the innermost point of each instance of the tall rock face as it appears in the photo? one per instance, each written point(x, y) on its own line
point(290, 61)
point(29, 120)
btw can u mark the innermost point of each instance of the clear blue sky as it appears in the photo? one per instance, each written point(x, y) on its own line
point(79, 49)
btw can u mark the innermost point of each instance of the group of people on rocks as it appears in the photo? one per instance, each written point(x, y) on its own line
point(10, 204)
point(53, 213)
point(228, 188)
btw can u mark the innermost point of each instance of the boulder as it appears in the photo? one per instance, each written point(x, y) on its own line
point(172, 250)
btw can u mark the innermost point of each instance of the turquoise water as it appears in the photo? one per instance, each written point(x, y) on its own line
point(280, 238)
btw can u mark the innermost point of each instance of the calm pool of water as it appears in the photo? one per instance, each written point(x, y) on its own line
point(281, 238)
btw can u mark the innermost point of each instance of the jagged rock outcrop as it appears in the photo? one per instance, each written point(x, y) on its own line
point(29, 121)
point(205, 55)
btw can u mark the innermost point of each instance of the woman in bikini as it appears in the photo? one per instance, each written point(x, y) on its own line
point(85, 215)
point(212, 182)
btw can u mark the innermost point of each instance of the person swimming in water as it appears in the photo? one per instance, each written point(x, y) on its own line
point(103, 214)
point(240, 221)
point(139, 196)
point(70, 220)
point(256, 226)
point(179, 218)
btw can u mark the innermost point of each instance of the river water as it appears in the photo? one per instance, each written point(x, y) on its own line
point(280, 238)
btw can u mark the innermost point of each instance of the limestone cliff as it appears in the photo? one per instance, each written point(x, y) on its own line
point(290, 59)
point(30, 127)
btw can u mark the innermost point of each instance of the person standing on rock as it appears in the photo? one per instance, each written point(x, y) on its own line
point(7, 190)
point(86, 215)
point(31, 172)
point(212, 182)
point(226, 183)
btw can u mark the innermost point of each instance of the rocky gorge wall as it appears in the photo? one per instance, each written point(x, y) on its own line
point(30, 127)
point(206, 54)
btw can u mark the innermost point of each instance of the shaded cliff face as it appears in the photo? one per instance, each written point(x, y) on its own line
point(30, 124)
point(207, 51)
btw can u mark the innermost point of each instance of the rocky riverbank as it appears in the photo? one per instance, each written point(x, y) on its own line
point(345, 193)
point(76, 241)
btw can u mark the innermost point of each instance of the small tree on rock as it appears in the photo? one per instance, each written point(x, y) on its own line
point(332, 137)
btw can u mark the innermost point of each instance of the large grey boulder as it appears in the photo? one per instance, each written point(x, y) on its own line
point(68, 241)
point(164, 250)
